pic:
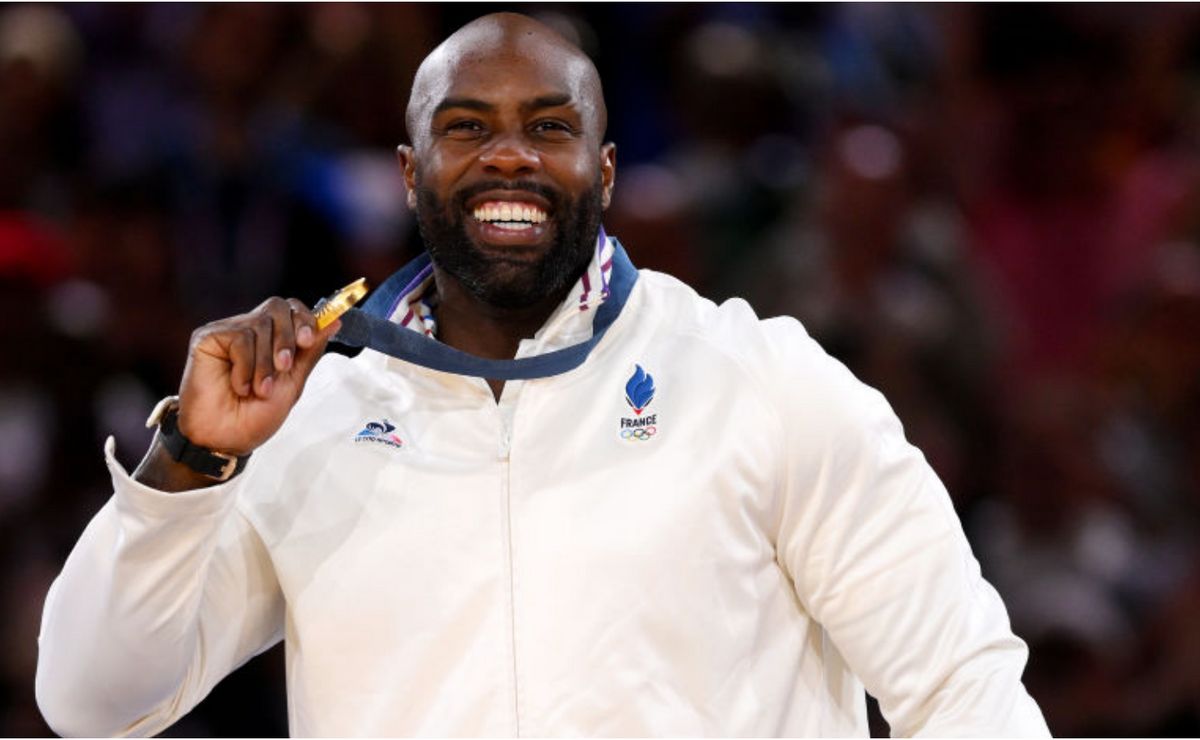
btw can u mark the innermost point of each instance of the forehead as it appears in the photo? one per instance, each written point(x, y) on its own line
point(500, 74)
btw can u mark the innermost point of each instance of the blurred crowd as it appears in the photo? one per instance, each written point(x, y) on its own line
point(988, 212)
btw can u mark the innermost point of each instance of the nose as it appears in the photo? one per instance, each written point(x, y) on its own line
point(510, 156)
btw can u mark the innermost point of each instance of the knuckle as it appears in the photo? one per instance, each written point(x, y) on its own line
point(207, 331)
point(198, 336)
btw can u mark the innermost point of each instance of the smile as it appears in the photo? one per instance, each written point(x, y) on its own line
point(509, 215)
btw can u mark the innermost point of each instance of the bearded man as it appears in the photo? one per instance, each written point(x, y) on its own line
point(555, 496)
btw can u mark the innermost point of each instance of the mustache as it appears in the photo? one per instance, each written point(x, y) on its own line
point(551, 195)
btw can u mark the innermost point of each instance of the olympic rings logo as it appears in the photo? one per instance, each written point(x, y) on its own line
point(641, 434)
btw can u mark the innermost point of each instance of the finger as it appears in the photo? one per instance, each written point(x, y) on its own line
point(303, 323)
point(283, 346)
point(240, 348)
point(307, 359)
point(264, 364)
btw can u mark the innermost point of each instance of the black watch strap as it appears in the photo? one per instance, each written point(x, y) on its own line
point(216, 465)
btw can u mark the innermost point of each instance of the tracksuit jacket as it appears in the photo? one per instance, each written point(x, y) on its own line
point(710, 527)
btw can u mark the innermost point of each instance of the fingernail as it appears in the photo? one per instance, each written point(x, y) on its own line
point(305, 335)
point(267, 384)
point(283, 359)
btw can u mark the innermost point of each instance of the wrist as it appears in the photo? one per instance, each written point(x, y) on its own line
point(158, 470)
point(212, 465)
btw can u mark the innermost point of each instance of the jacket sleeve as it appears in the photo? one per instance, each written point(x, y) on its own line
point(878, 557)
point(163, 595)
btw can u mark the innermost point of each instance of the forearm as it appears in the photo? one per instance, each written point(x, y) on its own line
point(119, 640)
point(170, 587)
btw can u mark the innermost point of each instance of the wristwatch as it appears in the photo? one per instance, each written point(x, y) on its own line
point(219, 466)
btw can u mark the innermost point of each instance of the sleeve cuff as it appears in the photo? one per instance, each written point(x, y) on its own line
point(136, 497)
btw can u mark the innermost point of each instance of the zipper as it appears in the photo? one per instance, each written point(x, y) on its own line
point(503, 450)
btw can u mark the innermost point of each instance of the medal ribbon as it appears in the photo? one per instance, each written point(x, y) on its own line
point(371, 327)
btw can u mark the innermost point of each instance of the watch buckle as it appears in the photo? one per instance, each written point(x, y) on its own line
point(228, 468)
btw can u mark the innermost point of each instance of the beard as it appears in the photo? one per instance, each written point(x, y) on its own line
point(505, 281)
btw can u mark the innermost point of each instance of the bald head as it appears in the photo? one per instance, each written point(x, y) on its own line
point(506, 43)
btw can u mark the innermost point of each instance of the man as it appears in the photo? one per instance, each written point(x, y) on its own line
point(681, 520)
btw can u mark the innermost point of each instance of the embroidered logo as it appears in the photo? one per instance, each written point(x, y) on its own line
point(639, 392)
point(380, 432)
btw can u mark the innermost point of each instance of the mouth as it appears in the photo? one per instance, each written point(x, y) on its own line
point(519, 222)
point(510, 215)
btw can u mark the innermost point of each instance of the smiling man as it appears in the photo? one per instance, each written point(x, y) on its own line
point(508, 175)
point(555, 495)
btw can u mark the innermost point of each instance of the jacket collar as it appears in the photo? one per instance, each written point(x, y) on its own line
point(570, 334)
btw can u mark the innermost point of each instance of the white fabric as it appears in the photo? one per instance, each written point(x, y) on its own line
point(518, 568)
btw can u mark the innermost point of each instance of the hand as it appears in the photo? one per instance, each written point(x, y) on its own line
point(245, 373)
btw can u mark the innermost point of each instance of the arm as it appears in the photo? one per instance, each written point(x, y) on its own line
point(163, 595)
point(878, 557)
point(169, 588)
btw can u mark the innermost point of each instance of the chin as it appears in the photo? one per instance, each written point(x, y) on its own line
point(510, 285)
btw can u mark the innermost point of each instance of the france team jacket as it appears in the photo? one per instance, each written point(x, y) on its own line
point(710, 527)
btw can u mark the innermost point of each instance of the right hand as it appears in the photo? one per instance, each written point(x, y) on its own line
point(245, 373)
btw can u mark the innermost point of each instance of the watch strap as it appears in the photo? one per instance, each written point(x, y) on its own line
point(219, 466)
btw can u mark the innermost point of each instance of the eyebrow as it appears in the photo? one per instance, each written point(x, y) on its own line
point(552, 100)
point(468, 103)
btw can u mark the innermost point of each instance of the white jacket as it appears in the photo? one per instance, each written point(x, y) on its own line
point(521, 568)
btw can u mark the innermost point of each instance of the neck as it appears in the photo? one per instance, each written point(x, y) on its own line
point(468, 324)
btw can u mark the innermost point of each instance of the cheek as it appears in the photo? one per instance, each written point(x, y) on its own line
point(441, 170)
point(575, 172)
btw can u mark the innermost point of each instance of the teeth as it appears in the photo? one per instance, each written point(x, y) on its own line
point(510, 213)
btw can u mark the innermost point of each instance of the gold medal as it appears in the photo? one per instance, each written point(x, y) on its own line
point(329, 309)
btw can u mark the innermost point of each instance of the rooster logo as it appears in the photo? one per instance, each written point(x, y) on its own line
point(379, 431)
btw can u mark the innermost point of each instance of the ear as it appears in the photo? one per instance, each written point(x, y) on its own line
point(608, 173)
point(408, 168)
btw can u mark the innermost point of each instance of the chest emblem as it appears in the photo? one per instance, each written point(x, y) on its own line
point(639, 392)
point(380, 432)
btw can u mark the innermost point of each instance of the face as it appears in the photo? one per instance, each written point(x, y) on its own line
point(507, 173)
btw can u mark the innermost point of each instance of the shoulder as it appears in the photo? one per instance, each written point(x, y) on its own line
point(801, 380)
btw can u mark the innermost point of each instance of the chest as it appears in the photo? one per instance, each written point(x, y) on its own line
point(640, 472)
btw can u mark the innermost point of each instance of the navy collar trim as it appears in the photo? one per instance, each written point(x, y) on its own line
point(371, 327)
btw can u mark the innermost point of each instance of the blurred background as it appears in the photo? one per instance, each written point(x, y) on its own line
point(988, 212)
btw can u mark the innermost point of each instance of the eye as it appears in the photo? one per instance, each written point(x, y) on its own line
point(553, 129)
point(463, 129)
